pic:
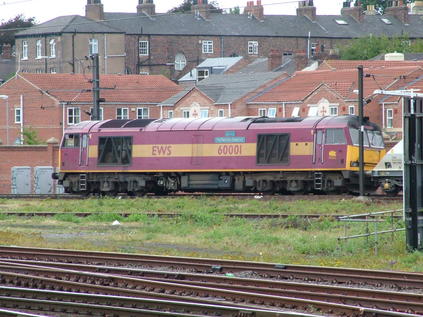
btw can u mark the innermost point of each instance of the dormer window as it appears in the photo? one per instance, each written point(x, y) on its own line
point(202, 74)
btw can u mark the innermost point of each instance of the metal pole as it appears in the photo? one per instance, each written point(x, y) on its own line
point(361, 132)
point(96, 88)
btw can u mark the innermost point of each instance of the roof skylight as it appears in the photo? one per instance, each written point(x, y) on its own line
point(386, 21)
point(341, 22)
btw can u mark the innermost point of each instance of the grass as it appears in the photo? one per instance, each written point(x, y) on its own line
point(203, 231)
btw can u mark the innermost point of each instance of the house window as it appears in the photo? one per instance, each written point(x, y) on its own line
point(143, 48)
point(252, 47)
point(53, 70)
point(389, 118)
point(312, 111)
point(39, 47)
point(170, 114)
point(313, 49)
point(207, 47)
point(39, 71)
point(204, 113)
point(24, 50)
point(74, 115)
point(180, 61)
point(93, 46)
point(271, 112)
point(333, 110)
point(18, 115)
point(52, 48)
point(351, 110)
point(142, 113)
point(122, 113)
point(262, 112)
point(101, 117)
point(202, 74)
point(221, 113)
point(296, 112)
point(185, 113)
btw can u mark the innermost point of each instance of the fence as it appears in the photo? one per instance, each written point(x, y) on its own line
point(375, 218)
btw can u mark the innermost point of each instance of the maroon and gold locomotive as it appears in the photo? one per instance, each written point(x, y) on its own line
point(245, 154)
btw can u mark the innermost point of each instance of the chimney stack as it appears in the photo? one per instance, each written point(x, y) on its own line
point(201, 7)
point(274, 60)
point(146, 6)
point(371, 10)
point(94, 10)
point(356, 12)
point(256, 11)
point(399, 10)
point(307, 9)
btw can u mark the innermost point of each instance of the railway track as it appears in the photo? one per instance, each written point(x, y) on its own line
point(176, 215)
point(250, 293)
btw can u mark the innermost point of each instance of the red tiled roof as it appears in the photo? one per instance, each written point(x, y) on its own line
point(120, 88)
point(331, 64)
point(343, 82)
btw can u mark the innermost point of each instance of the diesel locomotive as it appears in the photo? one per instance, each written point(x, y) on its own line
point(241, 154)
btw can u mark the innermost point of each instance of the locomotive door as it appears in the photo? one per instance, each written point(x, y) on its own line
point(318, 155)
point(83, 150)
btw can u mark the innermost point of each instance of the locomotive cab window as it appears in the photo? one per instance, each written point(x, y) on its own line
point(273, 148)
point(354, 133)
point(71, 140)
point(335, 136)
point(115, 150)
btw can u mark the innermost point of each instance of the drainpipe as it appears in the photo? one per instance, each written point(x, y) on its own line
point(22, 120)
point(383, 115)
point(229, 110)
point(63, 117)
point(105, 53)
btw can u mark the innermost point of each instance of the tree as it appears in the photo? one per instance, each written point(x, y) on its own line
point(31, 136)
point(9, 28)
point(369, 47)
point(187, 4)
point(235, 10)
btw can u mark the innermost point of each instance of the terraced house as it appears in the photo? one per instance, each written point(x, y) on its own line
point(144, 42)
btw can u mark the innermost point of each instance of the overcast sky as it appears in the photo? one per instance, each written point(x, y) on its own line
point(44, 10)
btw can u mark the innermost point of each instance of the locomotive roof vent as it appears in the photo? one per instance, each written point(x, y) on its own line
point(113, 124)
point(138, 123)
point(273, 120)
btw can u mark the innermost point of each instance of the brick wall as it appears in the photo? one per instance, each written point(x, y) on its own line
point(45, 155)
